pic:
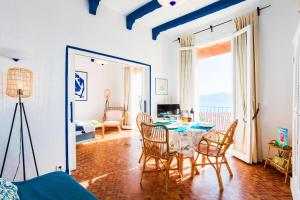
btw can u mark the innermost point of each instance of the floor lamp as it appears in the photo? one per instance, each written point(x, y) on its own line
point(19, 85)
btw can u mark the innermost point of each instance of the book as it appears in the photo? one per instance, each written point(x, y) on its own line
point(282, 138)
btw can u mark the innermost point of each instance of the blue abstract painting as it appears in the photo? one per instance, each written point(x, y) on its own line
point(81, 79)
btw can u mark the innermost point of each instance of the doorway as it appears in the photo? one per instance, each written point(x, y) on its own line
point(236, 53)
point(92, 97)
point(214, 92)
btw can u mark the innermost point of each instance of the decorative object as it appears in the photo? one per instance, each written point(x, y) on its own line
point(161, 86)
point(107, 95)
point(171, 3)
point(19, 85)
point(81, 86)
point(8, 190)
point(282, 140)
point(282, 160)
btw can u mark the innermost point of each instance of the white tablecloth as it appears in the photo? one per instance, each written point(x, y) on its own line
point(186, 142)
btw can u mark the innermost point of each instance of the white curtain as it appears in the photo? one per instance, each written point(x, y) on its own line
point(240, 59)
point(127, 91)
point(186, 73)
point(134, 93)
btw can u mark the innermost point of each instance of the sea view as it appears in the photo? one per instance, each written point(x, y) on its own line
point(216, 100)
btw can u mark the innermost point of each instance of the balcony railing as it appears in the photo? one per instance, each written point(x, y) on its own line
point(220, 116)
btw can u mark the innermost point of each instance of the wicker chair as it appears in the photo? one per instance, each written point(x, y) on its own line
point(113, 117)
point(214, 145)
point(143, 117)
point(156, 146)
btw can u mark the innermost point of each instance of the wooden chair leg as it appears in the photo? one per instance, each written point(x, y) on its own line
point(203, 160)
point(178, 165)
point(144, 166)
point(180, 158)
point(192, 166)
point(157, 163)
point(218, 171)
point(265, 164)
point(195, 164)
point(103, 131)
point(141, 157)
point(119, 129)
point(227, 166)
point(168, 171)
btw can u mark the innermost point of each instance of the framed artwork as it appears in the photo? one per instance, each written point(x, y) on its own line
point(161, 86)
point(81, 86)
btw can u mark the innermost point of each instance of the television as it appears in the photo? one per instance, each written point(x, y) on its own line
point(165, 110)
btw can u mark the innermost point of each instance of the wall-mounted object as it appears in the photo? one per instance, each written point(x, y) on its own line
point(161, 86)
point(19, 85)
point(81, 86)
point(13, 54)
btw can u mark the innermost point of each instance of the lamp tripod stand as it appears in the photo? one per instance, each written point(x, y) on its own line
point(21, 107)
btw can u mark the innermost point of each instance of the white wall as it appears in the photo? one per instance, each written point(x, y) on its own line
point(100, 78)
point(277, 27)
point(43, 29)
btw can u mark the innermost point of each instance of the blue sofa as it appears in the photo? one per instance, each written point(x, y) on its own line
point(53, 186)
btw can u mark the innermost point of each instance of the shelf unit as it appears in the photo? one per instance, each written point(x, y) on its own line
point(286, 154)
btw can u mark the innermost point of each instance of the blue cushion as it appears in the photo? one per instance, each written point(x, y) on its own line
point(53, 186)
point(79, 127)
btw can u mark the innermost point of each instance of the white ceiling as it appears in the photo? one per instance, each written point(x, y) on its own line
point(164, 14)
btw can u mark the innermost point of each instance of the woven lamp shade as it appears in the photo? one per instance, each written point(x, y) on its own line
point(19, 82)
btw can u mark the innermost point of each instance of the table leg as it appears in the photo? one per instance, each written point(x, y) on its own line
point(192, 166)
point(180, 157)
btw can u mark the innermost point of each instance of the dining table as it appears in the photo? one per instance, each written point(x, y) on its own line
point(184, 138)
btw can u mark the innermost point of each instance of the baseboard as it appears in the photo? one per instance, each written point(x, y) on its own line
point(294, 189)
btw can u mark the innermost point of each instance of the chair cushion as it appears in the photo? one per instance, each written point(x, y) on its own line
point(111, 123)
point(113, 115)
point(212, 151)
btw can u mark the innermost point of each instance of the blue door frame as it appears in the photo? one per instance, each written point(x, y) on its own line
point(67, 92)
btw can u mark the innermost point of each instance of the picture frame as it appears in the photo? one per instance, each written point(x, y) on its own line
point(81, 86)
point(161, 86)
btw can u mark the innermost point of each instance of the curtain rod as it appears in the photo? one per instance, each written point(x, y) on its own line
point(211, 27)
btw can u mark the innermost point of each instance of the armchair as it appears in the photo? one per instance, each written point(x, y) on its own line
point(156, 146)
point(113, 117)
point(214, 145)
point(143, 118)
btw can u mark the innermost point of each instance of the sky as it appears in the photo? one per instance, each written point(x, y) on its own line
point(215, 74)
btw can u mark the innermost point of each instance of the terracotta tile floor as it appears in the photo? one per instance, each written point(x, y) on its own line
point(109, 168)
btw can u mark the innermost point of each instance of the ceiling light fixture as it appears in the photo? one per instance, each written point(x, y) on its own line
point(99, 62)
point(170, 3)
